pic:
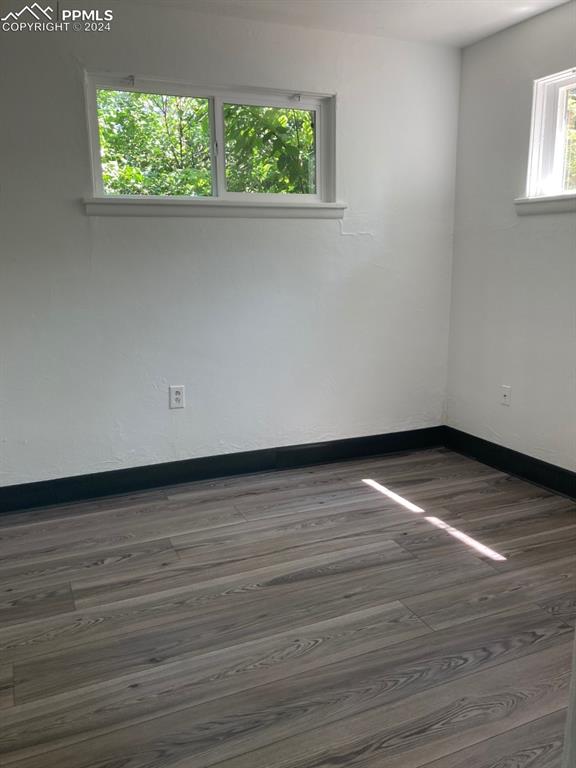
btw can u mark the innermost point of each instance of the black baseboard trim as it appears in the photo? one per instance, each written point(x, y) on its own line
point(82, 487)
point(512, 462)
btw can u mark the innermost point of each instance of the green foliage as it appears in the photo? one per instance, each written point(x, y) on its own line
point(570, 160)
point(269, 149)
point(153, 144)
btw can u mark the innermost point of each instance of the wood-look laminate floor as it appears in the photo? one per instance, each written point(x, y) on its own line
point(298, 619)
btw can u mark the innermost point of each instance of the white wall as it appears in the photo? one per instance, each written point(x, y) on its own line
point(514, 282)
point(282, 331)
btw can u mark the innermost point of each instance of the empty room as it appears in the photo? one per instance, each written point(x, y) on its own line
point(288, 383)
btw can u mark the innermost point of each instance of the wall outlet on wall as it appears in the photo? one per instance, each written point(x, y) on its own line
point(177, 395)
point(505, 394)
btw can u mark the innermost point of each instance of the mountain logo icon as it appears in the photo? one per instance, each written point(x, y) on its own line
point(39, 13)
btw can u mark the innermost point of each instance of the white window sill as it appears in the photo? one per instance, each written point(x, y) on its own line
point(526, 206)
point(175, 206)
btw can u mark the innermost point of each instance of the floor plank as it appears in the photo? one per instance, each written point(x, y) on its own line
point(118, 562)
point(562, 606)
point(6, 686)
point(218, 563)
point(21, 605)
point(269, 535)
point(61, 538)
point(539, 744)
point(495, 594)
point(506, 533)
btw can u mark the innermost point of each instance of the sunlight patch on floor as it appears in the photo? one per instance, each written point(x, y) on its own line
point(437, 522)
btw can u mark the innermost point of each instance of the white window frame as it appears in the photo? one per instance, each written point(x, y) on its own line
point(548, 136)
point(322, 204)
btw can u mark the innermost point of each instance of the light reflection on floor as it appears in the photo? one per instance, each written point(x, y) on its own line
point(437, 522)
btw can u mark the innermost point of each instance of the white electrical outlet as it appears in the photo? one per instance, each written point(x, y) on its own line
point(177, 394)
point(505, 395)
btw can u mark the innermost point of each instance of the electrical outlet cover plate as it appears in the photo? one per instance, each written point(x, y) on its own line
point(177, 396)
point(506, 394)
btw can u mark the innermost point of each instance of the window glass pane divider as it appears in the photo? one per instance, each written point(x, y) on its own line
point(220, 153)
point(91, 90)
point(214, 149)
point(326, 150)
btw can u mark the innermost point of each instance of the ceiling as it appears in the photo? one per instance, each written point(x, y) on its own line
point(450, 22)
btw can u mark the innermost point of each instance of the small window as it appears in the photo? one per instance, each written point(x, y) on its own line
point(552, 167)
point(153, 139)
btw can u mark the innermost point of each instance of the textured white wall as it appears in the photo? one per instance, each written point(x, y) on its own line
point(282, 331)
point(514, 281)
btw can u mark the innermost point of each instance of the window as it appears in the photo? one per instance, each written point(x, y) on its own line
point(552, 166)
point(152, 139)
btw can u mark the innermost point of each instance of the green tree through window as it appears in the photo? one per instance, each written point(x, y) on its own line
point(155, 144)
point(152, 144)
point(269, 149)
point(570, 158)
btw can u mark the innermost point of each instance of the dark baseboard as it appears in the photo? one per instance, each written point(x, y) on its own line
point(512, 462)
point(81, 487)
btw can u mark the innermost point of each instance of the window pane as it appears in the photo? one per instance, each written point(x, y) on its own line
point(570, 152)
point(270, 149)
point(153, 144)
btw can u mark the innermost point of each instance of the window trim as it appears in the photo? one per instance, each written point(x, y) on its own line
point(546, 156)
point(323, 202)
point(526, 206)
point(209, 207)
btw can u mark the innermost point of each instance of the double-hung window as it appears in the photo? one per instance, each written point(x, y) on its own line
point(552, 163)
point(172, 143)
